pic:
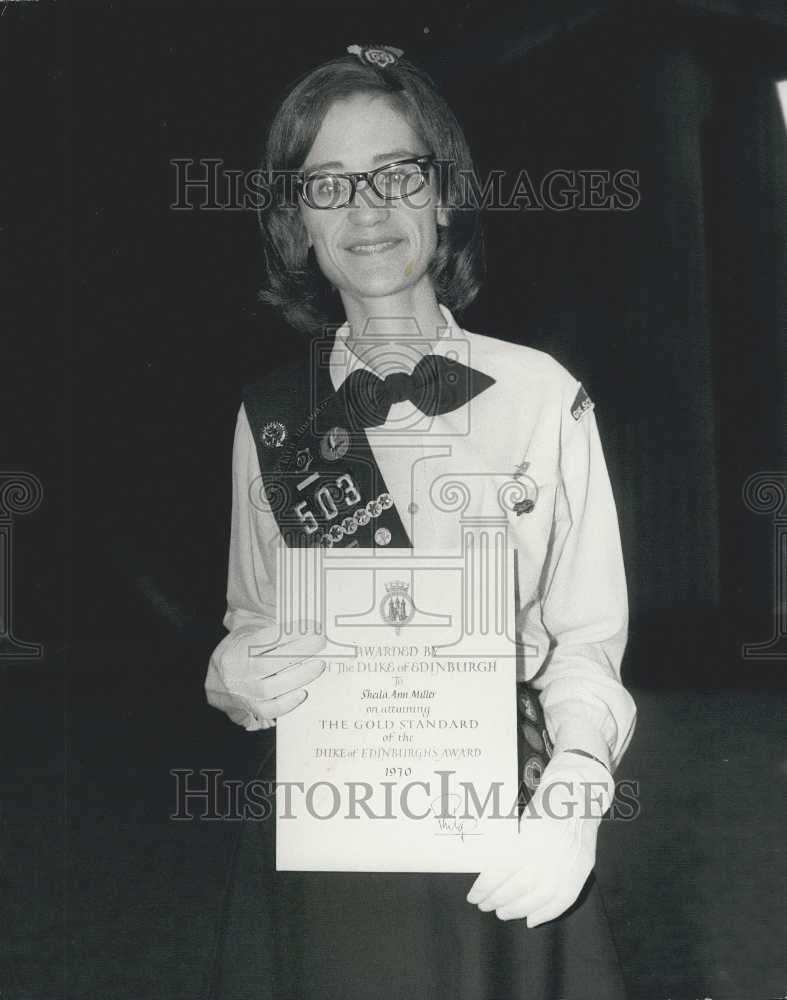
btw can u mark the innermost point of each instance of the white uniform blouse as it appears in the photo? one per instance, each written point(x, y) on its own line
point(534, 422)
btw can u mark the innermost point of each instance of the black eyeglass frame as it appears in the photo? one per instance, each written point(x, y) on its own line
point(424, 164)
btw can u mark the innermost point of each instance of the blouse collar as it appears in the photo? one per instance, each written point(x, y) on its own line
point(343, 360)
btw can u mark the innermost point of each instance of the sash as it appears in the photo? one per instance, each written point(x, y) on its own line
point(321, 479)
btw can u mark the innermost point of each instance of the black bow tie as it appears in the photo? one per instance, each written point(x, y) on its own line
point(436, 385)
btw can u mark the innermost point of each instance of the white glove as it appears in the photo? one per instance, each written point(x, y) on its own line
point(555, 849)
point(254, 690)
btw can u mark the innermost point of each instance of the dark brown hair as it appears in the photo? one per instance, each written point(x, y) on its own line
point(294, 282)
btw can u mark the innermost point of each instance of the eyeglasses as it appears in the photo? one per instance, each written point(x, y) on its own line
point(390, 182)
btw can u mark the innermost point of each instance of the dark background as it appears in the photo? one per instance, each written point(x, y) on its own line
point(131, 328)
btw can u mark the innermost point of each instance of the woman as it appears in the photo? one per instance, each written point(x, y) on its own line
point(378, 223)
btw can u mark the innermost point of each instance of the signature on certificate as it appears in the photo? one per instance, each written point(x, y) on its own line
point(449, 819)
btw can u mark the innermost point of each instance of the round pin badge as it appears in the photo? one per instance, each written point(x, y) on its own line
point(386, 501)
point(375, 508)
point(382, 536)
point(335, 444)
point(362, 516)
point(273, 434)
point(350, 525)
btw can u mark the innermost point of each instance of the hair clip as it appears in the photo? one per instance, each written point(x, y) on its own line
point(376, 55)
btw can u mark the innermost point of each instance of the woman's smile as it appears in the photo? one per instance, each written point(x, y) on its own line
point(365, 248)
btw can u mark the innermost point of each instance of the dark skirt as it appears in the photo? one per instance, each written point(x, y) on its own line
point(355, 936)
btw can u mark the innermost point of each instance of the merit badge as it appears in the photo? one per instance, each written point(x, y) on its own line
point(362, 516)
point(273, 434)
point(376, 55)
point(350, 525)
point(547, 742)
point(581, 404)
point(531, 772)
point(335, 444)
point(397, 607)
point(386, 501)
point(528, 707)
point(533, 737)
point(374, 508)
point(382, 536)
point(303, 459)
point(336, 532)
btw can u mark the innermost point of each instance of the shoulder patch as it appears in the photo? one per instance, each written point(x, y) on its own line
point(582, 403)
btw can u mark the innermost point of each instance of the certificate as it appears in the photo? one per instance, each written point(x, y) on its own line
point(403, 757)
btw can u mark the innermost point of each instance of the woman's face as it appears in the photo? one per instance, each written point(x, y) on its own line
point(371, 248)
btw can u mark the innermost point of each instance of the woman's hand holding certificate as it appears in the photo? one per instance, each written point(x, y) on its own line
point(258, 674)
point(556, 847)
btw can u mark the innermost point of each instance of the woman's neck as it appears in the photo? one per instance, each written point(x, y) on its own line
point(384, 331)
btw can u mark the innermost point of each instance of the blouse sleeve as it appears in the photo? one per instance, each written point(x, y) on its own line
point(584, 603)
point(251, 577)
